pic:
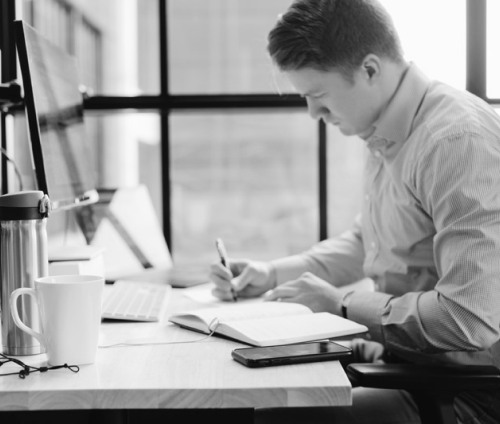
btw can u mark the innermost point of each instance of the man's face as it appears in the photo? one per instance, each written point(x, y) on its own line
point(349, 105)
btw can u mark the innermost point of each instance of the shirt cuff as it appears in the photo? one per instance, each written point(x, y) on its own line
point(367, 308)
point(289, 268)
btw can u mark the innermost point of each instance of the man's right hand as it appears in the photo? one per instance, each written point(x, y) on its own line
point(249, 278)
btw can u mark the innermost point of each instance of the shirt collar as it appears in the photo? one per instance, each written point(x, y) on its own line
point(395, 123)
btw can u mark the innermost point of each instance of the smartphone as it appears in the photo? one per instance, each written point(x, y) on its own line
point(290, 354)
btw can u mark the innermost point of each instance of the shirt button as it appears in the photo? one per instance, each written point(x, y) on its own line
point(377, 154)
point(373, 244)
point(367, 197)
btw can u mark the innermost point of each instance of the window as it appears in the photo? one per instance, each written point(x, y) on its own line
point(345, 164)
point(184, 99)
point(433, 36)
point(247, 177)
point(219, 46)
point(115, 41)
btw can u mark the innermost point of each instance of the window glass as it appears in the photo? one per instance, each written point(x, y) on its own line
point(116, 42)
point(346, 159)
point(124, 149)
point(219, 46)
point(492, 49)
point(433, 35)
point(20, 151)
point(249, 178)
point(126, 152)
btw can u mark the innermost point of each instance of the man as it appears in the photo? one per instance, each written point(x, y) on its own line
point(429, 232)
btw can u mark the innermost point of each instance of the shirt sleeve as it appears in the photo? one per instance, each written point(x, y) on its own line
point(337, 260)
point(457, 181)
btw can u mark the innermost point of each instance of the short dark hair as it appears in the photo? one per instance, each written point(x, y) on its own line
point(333, 34)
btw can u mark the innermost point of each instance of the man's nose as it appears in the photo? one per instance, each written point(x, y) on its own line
point(316, 111)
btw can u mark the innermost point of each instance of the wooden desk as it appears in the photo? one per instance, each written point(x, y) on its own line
point(199, 375)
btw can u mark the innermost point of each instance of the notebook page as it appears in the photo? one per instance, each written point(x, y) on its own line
point(291, 329)
point(243, 312)
point(253, 311)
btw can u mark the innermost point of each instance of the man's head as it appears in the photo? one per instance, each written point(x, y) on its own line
point(333, 34)
point(343, 56)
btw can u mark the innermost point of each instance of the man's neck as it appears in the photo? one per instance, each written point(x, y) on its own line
point(393, 74)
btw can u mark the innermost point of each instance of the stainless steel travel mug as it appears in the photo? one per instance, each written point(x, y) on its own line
point(23, 258)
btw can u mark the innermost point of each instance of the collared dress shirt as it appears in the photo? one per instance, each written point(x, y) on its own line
point(429, 231)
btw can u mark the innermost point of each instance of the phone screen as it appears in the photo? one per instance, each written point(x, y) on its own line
point(290, 354)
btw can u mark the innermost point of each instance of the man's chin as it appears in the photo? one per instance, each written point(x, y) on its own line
point(349, 131)
point(346, 131)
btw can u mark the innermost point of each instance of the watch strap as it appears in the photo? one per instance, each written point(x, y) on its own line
point(345, 303)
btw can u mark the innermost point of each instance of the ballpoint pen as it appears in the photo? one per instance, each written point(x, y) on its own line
point(224, 261)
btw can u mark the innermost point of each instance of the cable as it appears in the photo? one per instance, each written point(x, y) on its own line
point(212, 327)
point(16, 169)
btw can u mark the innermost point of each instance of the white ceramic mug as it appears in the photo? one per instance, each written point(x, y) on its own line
point(70, 316)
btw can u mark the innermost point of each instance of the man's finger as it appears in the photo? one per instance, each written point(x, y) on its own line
point(219, 274)
point(222, 294)
point(282, 293)
point(242, 280)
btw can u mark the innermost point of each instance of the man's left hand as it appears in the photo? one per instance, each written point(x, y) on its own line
point(311, 291)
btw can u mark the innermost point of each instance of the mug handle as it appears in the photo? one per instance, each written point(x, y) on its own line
point(15, 313)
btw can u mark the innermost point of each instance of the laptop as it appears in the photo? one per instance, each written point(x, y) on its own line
point(124, 224)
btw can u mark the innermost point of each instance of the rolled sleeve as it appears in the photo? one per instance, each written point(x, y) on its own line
point(289, 268)
point(338, 260)
point(367, 308)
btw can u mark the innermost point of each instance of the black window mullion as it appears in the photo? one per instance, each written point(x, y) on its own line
point(7, 45)
point(165, 124)
point(323, 180)
point(476, 47)
point(8, 70)
point(200, 101)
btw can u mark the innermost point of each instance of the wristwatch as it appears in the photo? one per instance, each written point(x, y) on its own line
point(345, 303)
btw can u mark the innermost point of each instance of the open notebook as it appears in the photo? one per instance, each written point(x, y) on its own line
point(268, 323)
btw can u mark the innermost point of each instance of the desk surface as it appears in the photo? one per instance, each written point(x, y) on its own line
point(199, 375)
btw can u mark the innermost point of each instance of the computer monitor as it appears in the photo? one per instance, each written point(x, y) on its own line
point(54, 110)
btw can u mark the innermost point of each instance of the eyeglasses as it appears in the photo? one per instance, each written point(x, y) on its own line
point(28, 369)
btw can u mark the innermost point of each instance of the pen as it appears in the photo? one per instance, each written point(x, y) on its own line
point(223, 259)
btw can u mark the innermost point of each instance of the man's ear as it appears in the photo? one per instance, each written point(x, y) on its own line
point(371, 65)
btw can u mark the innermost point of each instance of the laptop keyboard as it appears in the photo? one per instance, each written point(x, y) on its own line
point(136, 301)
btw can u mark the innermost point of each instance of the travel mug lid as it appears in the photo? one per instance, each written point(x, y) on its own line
point(21, 199)
point(21, 205)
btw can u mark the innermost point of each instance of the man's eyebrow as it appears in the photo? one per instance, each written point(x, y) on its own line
point(311, 93)
point(307, 93)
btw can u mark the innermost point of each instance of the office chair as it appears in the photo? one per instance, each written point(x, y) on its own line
point(433, 387)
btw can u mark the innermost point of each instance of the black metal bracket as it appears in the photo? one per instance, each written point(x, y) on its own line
point(10, 95)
